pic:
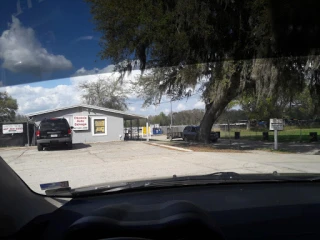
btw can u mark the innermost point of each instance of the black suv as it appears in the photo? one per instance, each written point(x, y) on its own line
point(192, 133)
point(54, 131)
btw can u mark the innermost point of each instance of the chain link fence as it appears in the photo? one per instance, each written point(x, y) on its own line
point(294, 131)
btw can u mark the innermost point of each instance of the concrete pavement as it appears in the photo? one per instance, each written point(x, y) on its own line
point(97, 163)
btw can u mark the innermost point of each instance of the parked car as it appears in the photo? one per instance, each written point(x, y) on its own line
point(192, 133)
point(54, 131)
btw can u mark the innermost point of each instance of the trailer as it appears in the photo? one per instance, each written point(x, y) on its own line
point(175, 132)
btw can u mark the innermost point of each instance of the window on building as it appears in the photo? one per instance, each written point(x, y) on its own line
point(99, 126)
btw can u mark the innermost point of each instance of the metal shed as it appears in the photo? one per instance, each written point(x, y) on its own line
point(91, 123)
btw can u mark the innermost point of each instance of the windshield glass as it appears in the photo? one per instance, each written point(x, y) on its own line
point(139, 90)
point(59, 124)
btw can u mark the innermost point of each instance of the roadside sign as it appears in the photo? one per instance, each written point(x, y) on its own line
point(80, 123)
point(12, 128)
point(276, 124)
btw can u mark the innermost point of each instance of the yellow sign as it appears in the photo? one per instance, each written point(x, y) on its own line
point(144, 130)
point(99, 126)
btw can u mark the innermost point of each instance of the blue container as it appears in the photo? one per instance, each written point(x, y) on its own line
point(156, 131)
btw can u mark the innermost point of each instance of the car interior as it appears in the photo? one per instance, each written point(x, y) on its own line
point(213, 211)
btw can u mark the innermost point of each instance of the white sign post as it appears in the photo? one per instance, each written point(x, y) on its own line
point(275, 139)
point(276, 125)
point(80, 123)
point(147, 129)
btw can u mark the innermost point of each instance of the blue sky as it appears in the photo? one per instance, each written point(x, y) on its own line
point(62, 27)
point(44, 44)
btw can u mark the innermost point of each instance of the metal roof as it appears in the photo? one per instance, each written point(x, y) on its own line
point(125, 115)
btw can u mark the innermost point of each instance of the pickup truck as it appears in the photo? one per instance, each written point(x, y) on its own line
point(192, 133)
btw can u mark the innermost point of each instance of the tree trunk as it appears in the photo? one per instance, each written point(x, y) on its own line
point(214, 109)
point(248, 124)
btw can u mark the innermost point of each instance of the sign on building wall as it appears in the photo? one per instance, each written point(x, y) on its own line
point(12, 128)
point(99, 126)
point(80, 123)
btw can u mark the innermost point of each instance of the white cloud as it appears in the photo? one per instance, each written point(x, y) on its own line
point(166, 110)
point(108, 69)
point(33, 99)
point(181, 107)
point(82, 75)
point(82, 71)
point(65, 92)
point(22, 52)
point(84, 38)
point(132, 108)
point(236, 107)
point(199, 104)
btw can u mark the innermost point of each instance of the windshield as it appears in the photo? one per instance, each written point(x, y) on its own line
point(59, 124)
point(95, 92)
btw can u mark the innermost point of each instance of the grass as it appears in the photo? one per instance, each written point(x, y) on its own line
point(275, 151)
point(212, 149)
point(289, 134)
point(199, 147)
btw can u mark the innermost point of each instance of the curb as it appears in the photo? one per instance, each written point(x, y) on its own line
point(170, 147)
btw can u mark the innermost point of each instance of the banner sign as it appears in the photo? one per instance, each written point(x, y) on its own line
point(12, 128)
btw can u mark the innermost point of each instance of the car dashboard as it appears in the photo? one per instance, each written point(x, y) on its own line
point(224, 211)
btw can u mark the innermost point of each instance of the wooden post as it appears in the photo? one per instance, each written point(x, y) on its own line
point(130, 129)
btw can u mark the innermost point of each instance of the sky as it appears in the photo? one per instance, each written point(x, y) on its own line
point(48, 47)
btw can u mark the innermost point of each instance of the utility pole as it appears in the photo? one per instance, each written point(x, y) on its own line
point(147, 129)
point(171, 113)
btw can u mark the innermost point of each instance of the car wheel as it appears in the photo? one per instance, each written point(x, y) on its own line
point(39, 146)
point(69, 145)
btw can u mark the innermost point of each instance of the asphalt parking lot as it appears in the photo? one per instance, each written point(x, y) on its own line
point(98, 163)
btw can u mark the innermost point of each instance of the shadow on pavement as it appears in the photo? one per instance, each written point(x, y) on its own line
point(306, 148)
point(312, 148)
point(75, 146)
point(80, 145)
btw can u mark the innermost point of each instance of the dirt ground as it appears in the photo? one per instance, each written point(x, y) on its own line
point(89, 164)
